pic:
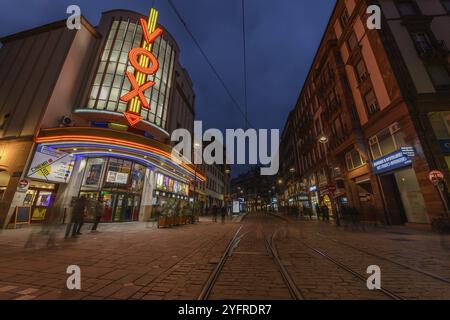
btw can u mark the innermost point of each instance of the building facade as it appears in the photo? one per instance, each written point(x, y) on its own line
point(372, 116)
point(64, 134)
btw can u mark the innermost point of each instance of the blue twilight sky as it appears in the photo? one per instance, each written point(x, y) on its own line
point(282, 38)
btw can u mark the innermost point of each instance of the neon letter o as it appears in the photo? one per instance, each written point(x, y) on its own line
point(135, 53)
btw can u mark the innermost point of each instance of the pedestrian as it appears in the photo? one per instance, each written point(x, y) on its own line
point(78, 215)
point(326, 213)
point(318, 211)
point(214, 212)
point(223, 213)
point(99, 209)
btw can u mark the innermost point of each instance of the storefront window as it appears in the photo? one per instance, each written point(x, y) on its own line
point(137, 177)
point(118, 172)
point(93, 173)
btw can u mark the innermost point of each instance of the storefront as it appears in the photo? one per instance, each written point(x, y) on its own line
point(401, 192)
point(119, 182)
point(170, 192)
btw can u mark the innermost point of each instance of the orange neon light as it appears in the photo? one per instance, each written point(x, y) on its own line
point(140, 59)
point(124, 143)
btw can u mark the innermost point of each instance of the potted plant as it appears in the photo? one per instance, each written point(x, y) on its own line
point(163, 217)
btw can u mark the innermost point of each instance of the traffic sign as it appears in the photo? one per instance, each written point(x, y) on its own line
point(23, 185)
point(435, 177)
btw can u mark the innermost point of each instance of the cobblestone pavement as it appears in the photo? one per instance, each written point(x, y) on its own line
point(139, 261)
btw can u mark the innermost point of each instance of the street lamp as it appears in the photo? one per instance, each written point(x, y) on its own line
point(323, 139)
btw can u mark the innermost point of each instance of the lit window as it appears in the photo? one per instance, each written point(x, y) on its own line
point(353, 159)
point(386, 141)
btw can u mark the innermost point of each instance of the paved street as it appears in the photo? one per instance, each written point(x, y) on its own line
point(139, 261)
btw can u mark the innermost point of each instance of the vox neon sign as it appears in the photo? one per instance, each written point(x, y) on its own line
point(145, 64)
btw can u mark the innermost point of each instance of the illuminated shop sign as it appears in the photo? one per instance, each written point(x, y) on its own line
point(51, 165)
point(398, 159)
point(145, 64)
point(313, 189)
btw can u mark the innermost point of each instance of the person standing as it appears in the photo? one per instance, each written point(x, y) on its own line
point(98, 212)
point(78, 215)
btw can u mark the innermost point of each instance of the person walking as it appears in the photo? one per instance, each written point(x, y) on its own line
point(318, 211)
point(223, 213)
point(214, 212)
point(98, 212)
point(326, 213)
point(78, 215)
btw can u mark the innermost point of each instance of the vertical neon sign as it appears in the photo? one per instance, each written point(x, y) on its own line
point(145, 64)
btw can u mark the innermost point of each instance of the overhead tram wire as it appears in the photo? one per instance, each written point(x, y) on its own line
point(222, 82)
point(245, 64)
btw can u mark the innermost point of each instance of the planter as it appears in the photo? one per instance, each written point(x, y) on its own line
point(163, 222)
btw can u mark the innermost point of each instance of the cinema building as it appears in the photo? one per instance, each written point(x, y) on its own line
point(372, 119)
point(63, 126)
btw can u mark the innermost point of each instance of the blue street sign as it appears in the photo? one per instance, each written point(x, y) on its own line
point(392, 161)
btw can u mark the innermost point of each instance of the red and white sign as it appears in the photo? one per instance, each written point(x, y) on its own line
point(23, 185)
point(435, 177)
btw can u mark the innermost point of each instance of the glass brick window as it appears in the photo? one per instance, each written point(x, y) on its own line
point(110, 82)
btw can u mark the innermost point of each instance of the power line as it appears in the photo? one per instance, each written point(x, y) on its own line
point(177, 13)
point(245, 63)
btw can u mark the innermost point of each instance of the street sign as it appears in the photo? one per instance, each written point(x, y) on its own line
point(23, 185)
point(435, 177)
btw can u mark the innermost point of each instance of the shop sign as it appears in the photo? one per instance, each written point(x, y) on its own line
point(313, 189)
point(445, 145)
point(145, 64)
point(51, 165)
point(408, 151)
point(392, 161)
point(435, 177)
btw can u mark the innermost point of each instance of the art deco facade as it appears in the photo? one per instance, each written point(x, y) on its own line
point(62, 130)
point(372, 119)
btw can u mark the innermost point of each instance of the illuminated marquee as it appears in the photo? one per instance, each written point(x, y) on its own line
point(145, 64)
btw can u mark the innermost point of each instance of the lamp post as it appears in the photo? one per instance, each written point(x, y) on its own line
point(323, 139)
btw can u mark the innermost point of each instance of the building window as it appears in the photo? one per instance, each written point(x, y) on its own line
point(352, 41)
point(354, 160)
point(386, 141)
point(344, 18)
point(446, 5)
point(440, 75)
point(422, 43)
point(407, 8)
point(371, 102)
point(361, 71)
